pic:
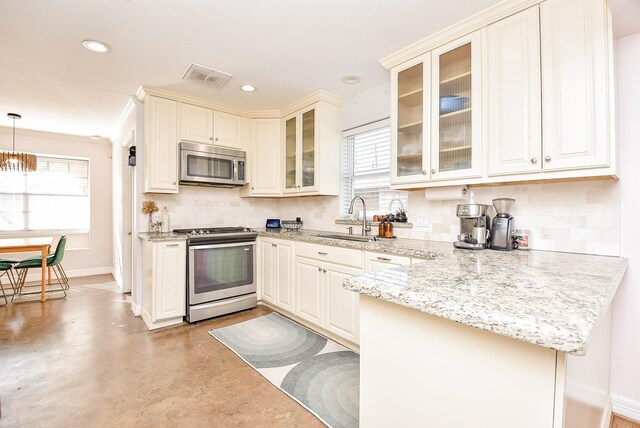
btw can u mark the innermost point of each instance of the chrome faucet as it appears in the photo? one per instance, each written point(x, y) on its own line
point(365, 227)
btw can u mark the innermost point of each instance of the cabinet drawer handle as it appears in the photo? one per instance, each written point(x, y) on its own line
point(547, 158)
point(534, 161)
point(273, 245)
point(384, 259)
point(173, 245)
point(323, 253)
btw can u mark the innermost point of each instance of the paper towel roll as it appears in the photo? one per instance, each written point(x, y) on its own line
point(452, 193)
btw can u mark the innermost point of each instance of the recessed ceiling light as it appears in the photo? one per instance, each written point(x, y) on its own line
point(95, 137)
point(351, 79)
point(247, 88)
point(96, 46)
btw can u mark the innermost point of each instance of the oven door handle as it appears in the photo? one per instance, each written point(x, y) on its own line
point(227, 245)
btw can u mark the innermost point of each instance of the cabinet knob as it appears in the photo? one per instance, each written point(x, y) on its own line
point(216, 138)
point(433, 171)
point(547, 158)
point(324, 270)
point(424, 172)
point(174, 183)
point(211, 138)
point(273, 245)
point(319, 269)
point(253, 188)
point(534, 160)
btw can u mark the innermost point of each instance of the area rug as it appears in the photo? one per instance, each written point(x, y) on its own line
point(317, 372)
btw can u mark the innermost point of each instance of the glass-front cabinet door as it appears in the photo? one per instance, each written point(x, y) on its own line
point(308, 148)
point(410, 121)
point(291, 153)
point(456, 119)
point(300, 130)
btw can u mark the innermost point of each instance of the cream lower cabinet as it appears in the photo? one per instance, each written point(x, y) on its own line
point(160, 151)
point(276, 272)
point(320, 297)
point(164, 283)
point(374, 262)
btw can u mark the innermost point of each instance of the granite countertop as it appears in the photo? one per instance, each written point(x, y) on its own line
point(170, 236)
point(546, 298)
point(401, 247)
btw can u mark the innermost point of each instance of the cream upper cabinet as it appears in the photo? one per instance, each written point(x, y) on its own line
point(575, 84)
point(410, 121)
point(203, 125)
point(265, 158)
point(456, 135)
point(196, 124)
point(160, 152)
point(311, 150)
point(227, 130)
point(514, 116)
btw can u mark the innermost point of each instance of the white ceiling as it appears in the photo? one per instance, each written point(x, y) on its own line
point(286, 48)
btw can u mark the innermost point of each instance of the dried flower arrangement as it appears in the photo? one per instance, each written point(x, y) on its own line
point(150, 207)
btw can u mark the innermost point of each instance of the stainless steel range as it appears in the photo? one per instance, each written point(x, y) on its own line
point(221, 275)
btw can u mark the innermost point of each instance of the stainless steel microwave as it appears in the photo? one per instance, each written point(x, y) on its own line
point(208, 165)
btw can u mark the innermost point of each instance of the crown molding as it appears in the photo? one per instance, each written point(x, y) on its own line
point(144, 91)
point(461, 28)
point(312, 99)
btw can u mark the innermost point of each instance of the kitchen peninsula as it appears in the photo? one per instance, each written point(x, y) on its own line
point(430, 352)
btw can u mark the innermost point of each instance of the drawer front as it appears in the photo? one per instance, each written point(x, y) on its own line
point(388, 258)
point(341, 256)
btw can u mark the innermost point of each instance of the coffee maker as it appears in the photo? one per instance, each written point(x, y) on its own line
point(474, 226)
point(502, 226)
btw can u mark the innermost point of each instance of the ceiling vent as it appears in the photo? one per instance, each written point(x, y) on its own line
point(206, 76)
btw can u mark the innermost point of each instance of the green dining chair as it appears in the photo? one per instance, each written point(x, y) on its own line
point(54, 261)
point(6, 266)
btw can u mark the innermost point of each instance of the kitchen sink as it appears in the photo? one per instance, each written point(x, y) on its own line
point(358, 238)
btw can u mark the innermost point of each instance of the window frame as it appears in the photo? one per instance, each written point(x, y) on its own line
point(38, 232)
point(347, 170)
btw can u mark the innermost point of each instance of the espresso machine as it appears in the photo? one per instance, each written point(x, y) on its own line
point(474, 226)
point(502, 226)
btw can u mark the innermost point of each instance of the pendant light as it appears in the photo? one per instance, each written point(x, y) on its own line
point(16, 161)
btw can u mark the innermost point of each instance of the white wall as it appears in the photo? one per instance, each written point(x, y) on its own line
point(625, 380)
point(86, 254)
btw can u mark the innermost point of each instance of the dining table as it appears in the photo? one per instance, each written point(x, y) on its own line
point(41, 244)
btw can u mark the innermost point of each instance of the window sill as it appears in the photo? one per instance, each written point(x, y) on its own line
point(348, 222)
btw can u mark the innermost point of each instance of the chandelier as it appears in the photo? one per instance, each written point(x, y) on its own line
point(16, 161)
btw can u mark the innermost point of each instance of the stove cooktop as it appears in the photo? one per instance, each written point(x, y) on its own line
point(217, 232)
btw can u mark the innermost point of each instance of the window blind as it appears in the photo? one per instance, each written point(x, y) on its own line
point(54, 197)
point(366, 169)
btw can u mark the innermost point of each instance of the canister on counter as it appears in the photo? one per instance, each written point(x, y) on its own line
point(522, 239)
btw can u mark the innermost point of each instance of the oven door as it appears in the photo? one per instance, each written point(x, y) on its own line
point(201, 167)
point(220, 271)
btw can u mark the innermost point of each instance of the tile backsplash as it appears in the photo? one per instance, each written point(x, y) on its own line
point(581, 216)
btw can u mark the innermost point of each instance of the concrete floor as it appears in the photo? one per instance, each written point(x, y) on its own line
point(86, 360)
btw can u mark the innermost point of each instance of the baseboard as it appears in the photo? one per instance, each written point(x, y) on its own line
point(626, 407)
point(34, 275)
point(136, 309)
